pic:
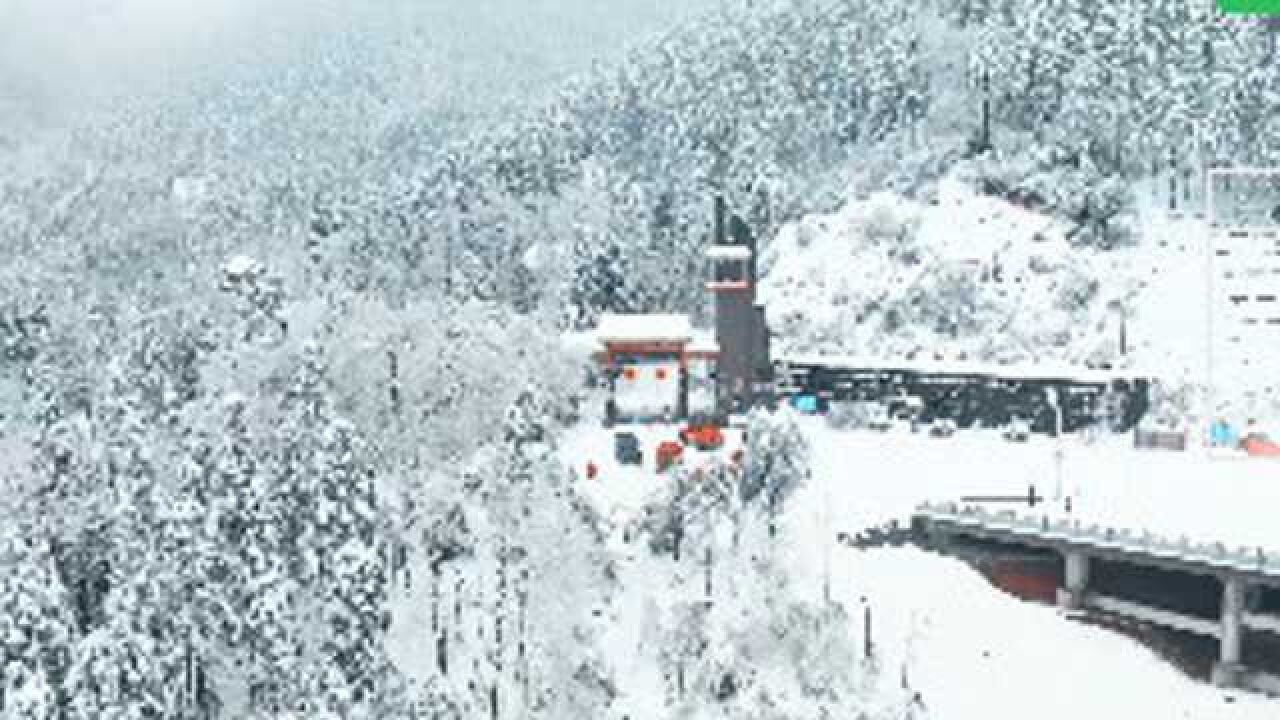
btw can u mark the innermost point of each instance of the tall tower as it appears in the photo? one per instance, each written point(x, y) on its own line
point(739, 323)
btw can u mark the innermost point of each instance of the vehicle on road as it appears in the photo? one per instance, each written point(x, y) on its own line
point(704, 436)
point(899, 412)
point(942, 428)
point(1018, 430)
point(907, 408)
point(1260, 444)
point(668, 453)
point(807, 404)
point(879, 418)
point(626, 449)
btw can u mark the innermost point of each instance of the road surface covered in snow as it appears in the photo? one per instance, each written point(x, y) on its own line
point(968, 649)
point(971, 650)
point(1205, 498)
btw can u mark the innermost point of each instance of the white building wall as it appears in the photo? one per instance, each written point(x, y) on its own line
point(1244, 305)
point(648, 395)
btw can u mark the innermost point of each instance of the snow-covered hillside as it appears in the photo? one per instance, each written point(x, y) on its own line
point(972, 277)
point(331, 487)
point(964, 276)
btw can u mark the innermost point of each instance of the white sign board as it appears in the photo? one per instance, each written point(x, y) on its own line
point(1243, 261)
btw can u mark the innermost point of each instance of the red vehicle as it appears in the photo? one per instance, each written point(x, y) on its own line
point(668, 454)
point(704, 436)
point(1260, 444)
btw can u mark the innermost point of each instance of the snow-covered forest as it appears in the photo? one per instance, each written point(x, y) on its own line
point(281, 317)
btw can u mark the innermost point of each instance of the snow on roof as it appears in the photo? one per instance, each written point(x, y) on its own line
point(581, 344)
point(1041, 370)
point(729, 252)
point(240, 265)
point(623, 328)
point(704, 341)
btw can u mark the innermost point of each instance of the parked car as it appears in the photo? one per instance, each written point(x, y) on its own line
point(879, 418)
point(807, 404)
point(707, 436)
point(626, 449)
point(942, 427)
point(847, 415)
point(1018, 430)
point(668, 453)
point(906, 408)
point(906, 412)
point(1260, 444)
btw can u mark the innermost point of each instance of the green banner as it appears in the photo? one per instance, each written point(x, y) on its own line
point(1249, 7)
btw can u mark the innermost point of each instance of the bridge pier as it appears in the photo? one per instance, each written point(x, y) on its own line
point(1228, 670)
point(1076, 582)
point(1242, 607)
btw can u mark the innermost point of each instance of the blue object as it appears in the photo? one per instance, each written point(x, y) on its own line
point(805, 403)
point(1221, 434)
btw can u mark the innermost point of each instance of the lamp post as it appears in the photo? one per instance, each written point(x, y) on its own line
point(826, 542)
point(1119, 316)
point(1055, 403)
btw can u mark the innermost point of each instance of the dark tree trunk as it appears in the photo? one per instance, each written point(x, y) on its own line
point(708, 582)
point(986, 110)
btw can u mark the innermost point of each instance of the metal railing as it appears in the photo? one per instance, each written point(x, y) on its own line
point(1072, 531)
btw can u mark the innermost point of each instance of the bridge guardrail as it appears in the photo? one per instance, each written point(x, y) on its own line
point(1215, 554)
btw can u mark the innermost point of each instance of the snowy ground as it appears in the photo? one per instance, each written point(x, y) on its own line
point(974, 652)
point(1206, 498)
point(966, 646)
point(881, 276)
point(885, 276)
point(961, 643)
point(1168, 326)
point(623, 489)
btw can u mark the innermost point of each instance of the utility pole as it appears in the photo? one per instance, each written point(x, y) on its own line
point(1055, 403)
point(867, 646)
point(826, 542)
point(1058, 457)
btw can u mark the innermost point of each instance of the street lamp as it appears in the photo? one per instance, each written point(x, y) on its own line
point(1055, 403)
point(826, 542)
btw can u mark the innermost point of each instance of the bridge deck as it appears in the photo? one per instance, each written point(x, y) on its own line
point(1145, 548)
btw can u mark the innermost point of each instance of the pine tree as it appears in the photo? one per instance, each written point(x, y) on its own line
point(37, 628)
point(330, 540)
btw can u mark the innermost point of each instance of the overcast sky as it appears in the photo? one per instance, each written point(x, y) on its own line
point(60, 58)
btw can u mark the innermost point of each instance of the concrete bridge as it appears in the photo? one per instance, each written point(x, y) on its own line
point(1246, 579)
